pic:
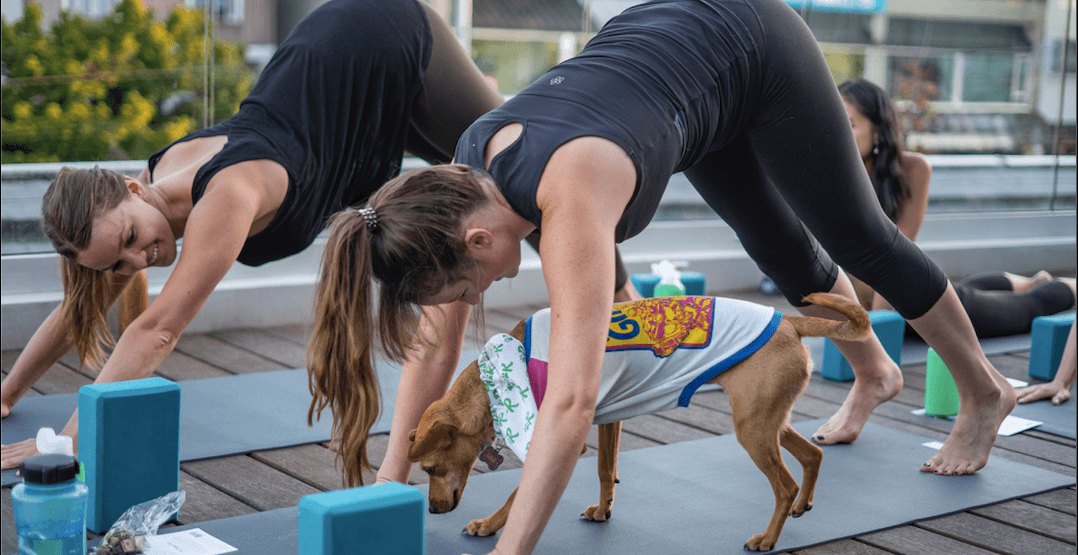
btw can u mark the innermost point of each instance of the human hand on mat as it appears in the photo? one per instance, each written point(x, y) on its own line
point(1057, 392)
point(13, 454)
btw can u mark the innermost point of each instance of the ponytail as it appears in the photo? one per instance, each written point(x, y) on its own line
point(409, 237)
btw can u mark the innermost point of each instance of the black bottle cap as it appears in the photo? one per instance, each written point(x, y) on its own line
point(49, 469)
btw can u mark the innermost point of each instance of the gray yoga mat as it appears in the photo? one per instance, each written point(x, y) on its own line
point(915, 351)
point(223, 416)
point(1055, 420)
point(706, 496)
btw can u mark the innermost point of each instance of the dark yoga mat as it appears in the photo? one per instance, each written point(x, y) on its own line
point(229, 415)
point(706, 496)
point(1054, 420)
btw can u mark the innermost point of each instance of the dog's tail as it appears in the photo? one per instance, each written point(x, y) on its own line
point(854, 329)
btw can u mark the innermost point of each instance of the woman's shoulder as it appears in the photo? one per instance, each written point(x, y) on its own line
point(918, 169)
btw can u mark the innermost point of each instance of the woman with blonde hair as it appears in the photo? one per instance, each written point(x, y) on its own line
point(734, 93)
point(355, 85)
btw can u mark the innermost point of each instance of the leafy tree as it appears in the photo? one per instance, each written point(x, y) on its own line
point(114, 88)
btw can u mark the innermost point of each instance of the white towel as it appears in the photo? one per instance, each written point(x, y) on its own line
point(504, 371)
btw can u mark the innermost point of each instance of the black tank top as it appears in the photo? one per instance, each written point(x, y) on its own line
point(667, 81)
point(333, 108)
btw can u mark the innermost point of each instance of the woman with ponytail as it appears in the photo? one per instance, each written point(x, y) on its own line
point(734, 93)
point(323, 128)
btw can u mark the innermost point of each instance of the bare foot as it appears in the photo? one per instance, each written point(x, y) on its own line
point(864, 397)
point(4, 410)
point(970, 441)
point(1021, 284)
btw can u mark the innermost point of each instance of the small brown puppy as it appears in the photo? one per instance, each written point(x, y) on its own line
point(762, 389)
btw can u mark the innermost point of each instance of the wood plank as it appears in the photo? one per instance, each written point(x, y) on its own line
point(269, 346)
point(179, 366)
point(311, 464)
point(842, 547)
point(204, 502)
point(60, 379)
point(662, 430)
point(628, 441)
point(222, 355)
point(702, 418)
point(1033, 518)
point(989, 534)
point(250, 481)
point(300, 334)
point(8, 358)
point(1062, 500)
point(917, 541)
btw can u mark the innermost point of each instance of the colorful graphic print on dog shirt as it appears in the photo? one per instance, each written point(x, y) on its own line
point(659, 351)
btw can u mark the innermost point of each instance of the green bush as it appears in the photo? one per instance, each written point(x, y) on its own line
point(94, 89)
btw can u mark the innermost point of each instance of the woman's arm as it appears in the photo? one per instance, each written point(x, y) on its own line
point(912, 213)
point(425, 378)
point(583, 192)
point(214, 234)
point(1059, 389)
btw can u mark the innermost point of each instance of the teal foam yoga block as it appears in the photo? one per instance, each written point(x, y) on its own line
point(890, 328)
point(129, 444)
point(386, 518)
point(694, 282)
point(1046, 348)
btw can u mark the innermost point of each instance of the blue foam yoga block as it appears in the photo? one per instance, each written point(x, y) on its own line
point(694, 283)
point(890, 328)
point(129, 443)
point(1046, 348)
point(386, 518)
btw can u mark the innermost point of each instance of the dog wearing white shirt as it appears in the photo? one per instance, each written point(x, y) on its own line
point(658, 352)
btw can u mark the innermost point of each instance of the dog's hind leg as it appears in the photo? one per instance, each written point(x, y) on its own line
point(810, 456)
point(609, 438)
point(758, 430)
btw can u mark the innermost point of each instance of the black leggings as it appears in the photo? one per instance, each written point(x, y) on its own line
point(793, 181)
point(996, 310)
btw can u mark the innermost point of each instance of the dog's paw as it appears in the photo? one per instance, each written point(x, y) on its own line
point(796, 513)
point(760, 542)
point(597, 513)
point(482, 527)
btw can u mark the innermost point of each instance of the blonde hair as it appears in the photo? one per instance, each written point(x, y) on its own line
point(68, 209)
point(413, 246)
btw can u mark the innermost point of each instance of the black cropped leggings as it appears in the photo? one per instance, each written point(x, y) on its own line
point(995, 309)
point(792, 181)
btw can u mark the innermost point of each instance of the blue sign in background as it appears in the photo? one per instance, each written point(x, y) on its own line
point(850, 6)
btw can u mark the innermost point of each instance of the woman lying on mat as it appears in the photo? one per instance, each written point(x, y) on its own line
point(320, 131)
point(736, 94)
point(1059, 389)
point(998, 303)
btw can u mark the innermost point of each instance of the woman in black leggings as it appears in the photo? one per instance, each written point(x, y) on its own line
point(998, 303)
point(737, 95)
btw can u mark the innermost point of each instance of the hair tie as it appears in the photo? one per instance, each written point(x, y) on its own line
point(370, 216)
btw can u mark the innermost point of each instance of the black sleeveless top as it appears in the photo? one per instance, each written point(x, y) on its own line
point(667, 81)
point(333, 108)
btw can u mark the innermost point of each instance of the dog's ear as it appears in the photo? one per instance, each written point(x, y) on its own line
point(438, 436)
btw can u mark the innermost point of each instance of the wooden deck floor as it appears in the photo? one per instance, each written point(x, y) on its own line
point(236, 485)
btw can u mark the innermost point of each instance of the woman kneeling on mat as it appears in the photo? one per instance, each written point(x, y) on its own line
point(737, 95)
point(321, 130)
point(998, 303)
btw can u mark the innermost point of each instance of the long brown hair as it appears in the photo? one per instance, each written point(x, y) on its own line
point(413, 246)
point(887, 174)
point(68, 209)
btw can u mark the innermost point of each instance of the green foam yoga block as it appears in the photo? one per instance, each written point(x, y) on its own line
point(694, 282)
point(889, 327)
point(941, 394)
point(129, 444)
point(1046, 347)
point(385, 519)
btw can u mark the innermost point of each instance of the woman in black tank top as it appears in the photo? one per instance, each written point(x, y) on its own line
point(356, 84)
point(734, 93)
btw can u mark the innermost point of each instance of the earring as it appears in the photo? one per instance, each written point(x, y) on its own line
point(875, 150)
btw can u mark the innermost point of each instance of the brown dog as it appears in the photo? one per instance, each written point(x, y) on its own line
point(762, 389)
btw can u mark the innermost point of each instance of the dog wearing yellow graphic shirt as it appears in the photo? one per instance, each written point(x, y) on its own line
point(659, 352)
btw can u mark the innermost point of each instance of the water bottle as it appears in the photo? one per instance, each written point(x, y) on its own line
point(50, 506)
